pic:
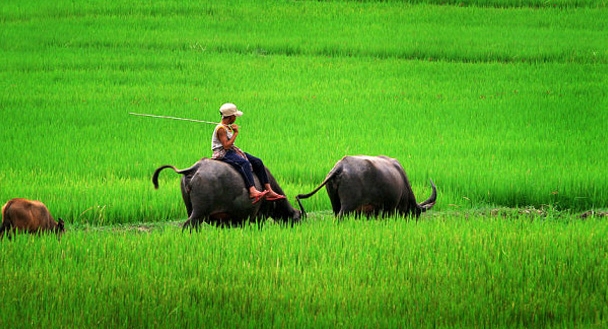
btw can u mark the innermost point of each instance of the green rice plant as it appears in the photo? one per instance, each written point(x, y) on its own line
point(498, 106)
point(501, 103)
point(508, 144)
point(315, 28)
point(466, 270)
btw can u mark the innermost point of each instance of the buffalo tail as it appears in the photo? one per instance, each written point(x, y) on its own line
point(336, 170)
point(430, 202)
point(157, 172)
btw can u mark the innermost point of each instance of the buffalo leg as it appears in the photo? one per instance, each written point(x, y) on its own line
point(348, 209)
point(185, 183)
point(334, 198)
point(191, 223)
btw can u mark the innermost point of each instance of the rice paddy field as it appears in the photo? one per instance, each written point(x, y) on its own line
point(503, 104)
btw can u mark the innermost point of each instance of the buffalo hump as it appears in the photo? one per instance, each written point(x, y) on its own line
point(29, 216)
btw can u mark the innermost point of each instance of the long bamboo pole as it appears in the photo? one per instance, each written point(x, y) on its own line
point(172, 118)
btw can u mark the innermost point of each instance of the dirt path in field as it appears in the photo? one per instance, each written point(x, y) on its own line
point(490, 212)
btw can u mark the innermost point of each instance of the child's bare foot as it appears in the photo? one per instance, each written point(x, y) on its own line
point(257, 196)
point(274, 196)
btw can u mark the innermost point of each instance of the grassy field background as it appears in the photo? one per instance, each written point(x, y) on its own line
point(500, 106)
point(501, 103)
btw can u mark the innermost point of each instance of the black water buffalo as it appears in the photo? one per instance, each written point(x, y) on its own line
point(214, 192)
point(28, 216)
point(372, 186)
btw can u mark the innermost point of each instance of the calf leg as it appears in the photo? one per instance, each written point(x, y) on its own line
point(6, 229)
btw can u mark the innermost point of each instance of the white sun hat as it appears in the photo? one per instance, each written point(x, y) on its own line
point(230, 109)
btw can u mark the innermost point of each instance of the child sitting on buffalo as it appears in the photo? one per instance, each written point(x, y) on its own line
point(222, 144)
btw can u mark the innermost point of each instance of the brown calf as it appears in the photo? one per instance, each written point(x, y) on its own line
point(28, 216)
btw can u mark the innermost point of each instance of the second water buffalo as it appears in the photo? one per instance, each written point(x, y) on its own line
point(371, 185)
point(29, 216)
point(214, 192)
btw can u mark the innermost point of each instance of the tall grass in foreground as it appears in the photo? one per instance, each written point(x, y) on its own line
point(464, 271)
